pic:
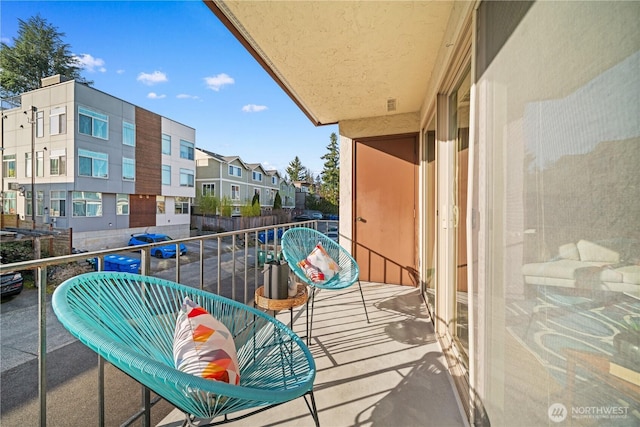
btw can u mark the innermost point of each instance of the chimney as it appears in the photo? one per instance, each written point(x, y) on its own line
point(53, 80)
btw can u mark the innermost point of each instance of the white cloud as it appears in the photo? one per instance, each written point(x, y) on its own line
point(269, 166)
point(153, 78)
point(153, 95)
point(120, 72)
point(6, 40)
point(253, 108)
point(91, 64)
point(216, 82)
point(187, 96)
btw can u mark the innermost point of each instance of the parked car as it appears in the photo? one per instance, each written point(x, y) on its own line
point(158, 251)
point(308, 216)
point(12, 284)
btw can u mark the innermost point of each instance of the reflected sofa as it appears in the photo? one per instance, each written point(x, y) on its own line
point(586, 265)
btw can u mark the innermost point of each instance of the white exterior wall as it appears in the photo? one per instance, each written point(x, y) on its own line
point(178, 132)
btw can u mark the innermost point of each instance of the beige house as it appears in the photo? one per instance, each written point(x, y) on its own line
point(476, 138)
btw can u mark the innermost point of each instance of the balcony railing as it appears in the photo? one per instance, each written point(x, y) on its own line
point(366, 372)
point(232, 259)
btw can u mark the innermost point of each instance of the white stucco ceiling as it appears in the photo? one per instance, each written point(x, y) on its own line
point(343, 60)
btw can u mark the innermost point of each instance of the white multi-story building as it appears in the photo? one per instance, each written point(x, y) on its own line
point(103, 167)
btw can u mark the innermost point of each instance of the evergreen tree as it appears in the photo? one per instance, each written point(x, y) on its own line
point(296, 170)
point(331, 172)
point(277, 201)
point(37, 52)
point(308, 176)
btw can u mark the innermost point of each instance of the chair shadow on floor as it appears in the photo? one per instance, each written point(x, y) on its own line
point(424, 396)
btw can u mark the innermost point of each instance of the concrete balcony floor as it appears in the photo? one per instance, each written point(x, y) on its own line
point(390, 372)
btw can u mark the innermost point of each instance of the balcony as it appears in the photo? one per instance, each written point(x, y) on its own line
point(390, 371)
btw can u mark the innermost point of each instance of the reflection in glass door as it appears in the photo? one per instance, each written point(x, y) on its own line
point(460, 102)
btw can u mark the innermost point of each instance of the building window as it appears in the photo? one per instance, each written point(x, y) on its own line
point(257, 176)
point(39, 124)
point(87, 203)
point(57, 162)
point(40, 163)
point(160, 205)
point(58, 121)
point(186, 178)
point(235, 171)
point(128, 169)
point(166, 144)
point(39, 203)
point(182, 205)
point(27, 165)
point(208, 189)
point(186, 150)
point(91, 163)
point(129, 134)
point(122, 204)
point(9, 202)
point(58, 203)
point(235, 192)
point(92, 123)
point(9, 166)
point(166, 175)
point(274, 180)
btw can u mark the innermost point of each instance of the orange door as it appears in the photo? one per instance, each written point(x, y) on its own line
point(385, 203)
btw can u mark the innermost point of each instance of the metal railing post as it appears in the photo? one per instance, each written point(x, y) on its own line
point(41, 280)
point(101, 418)
point(201, 264)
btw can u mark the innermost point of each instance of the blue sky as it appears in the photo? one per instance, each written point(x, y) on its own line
point(177, 60)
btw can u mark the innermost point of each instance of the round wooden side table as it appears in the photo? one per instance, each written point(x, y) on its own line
point(300, 298)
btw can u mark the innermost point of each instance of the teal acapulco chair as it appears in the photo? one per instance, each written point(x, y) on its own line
point(129, 320)
point(297, 244)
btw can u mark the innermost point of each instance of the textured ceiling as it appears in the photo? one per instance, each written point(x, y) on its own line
point(342, 60)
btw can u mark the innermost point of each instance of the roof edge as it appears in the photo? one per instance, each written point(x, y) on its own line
point(225, 16)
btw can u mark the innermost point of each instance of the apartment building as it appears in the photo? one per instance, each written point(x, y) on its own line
point(231, 177)
point(96, 164)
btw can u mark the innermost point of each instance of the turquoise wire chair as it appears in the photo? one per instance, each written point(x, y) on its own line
point(129, 320)
point(297, 244)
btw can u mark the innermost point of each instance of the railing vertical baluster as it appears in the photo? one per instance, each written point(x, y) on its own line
point(219, 263)
point(146, 401)
point(101, 420)
point(246, 267)
point(233, 267)
point(202, 264)
point(256, 260)
point(145, 262)
point(177, 262)
point(41, 281)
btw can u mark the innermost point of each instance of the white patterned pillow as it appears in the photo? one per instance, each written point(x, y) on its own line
point(203, 346)
point(320, 259)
